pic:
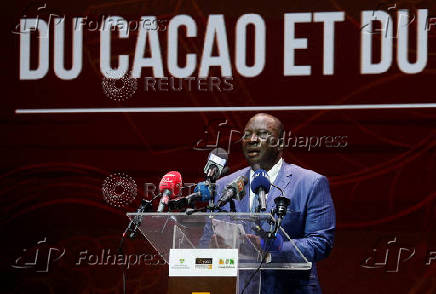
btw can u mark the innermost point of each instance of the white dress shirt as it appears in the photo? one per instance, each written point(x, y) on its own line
point(272, 174)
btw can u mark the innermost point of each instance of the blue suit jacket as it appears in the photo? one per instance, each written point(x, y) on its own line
point(310, 221)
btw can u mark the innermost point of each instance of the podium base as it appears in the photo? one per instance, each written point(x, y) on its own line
point(202, 285)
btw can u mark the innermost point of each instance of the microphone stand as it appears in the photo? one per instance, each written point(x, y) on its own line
point(282, 204)
point(211, 178)
point(131, 231)
point(211, 183)
point(232, 205)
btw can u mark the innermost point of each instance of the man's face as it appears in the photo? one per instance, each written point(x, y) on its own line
point(260, 141)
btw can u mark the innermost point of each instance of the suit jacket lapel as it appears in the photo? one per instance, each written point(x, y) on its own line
point(282, 181)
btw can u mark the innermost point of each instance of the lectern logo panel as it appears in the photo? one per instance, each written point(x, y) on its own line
point(203, 263)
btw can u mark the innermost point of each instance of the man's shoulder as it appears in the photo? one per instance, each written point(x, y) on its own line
point(301, 172)
point(227, 179)
point(304, 180)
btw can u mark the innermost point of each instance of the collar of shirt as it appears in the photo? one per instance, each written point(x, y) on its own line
point(272, 174)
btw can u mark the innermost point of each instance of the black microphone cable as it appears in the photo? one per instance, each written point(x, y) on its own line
point(270, 235)
point(269, 243)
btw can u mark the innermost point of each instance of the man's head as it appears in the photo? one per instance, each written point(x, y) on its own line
point(261, 141)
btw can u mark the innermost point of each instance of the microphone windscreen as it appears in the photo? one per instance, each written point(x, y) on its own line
point(216, 162)
point(239, 187)
point(172, 181)
point(241, 182)
point(220, 152)
point(260, 180)
point(203, 188)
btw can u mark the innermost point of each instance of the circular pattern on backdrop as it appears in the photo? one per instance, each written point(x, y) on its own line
point(119, 190)
point(119, 88)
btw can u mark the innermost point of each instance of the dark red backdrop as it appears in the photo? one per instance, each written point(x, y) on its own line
point(53, 166)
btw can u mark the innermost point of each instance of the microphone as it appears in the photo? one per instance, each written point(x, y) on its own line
point(282, 204)
point(260, 185)
point(136, 221)
point(169, 186)
point(201, 193)
point(215, 168)
point(202, 190)
point(234, 190)
point(280, 210)
point(215, 164)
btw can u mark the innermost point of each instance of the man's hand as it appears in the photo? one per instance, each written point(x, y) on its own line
point(217, 241)
point(275, 244)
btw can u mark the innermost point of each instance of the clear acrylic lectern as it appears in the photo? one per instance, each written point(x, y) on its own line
point(167, 231)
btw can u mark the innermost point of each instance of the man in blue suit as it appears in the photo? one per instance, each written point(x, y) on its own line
point(310, 219)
